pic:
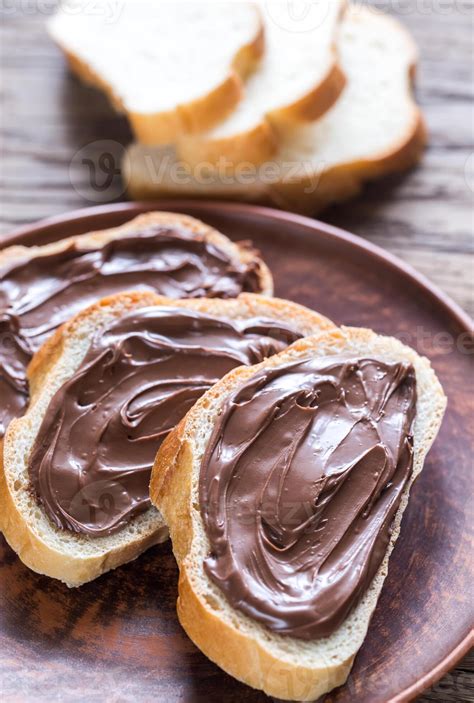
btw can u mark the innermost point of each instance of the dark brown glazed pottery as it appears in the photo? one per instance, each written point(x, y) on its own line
point(118, 639)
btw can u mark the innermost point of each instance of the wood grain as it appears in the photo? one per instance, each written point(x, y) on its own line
point(424, 217)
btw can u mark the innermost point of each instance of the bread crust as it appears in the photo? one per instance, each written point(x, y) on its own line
point(264, 660)
point(346, 181)
point(194, 116)
point(316, 103)
point(253, 146)
point(260, 143)
point(31, 541)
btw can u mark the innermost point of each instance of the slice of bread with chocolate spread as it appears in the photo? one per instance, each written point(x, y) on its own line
point(105, 390)
point(284, 489)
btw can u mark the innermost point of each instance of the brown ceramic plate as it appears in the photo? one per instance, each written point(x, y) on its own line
point(118, 639)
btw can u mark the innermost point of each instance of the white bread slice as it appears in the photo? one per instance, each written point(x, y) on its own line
point(375, 128)
point(171, 66)
point(297, 80)
point(284, 667)
point(74, 558)
point(98, 239)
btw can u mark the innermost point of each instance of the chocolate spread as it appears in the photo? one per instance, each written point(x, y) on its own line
point(299, 487)
point(38, 294)
point(90, 466)
point(15, 354)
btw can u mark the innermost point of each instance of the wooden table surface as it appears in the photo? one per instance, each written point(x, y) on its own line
point(49, 123)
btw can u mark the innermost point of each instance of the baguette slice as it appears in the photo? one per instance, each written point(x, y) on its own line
point(284, 667)
point(172, 67)
point(75, 558)
point(374, 129)
point(239, 253)
point(297, 80)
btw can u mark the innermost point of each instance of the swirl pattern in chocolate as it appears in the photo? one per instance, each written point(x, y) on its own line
point(299, 487)
point(90, 466)
point(38, 294)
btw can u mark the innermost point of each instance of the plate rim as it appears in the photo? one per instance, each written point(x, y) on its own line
point(173, 205)
point(449, 306)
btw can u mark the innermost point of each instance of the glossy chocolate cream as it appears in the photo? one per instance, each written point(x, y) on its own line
point(38, 294)
point(91, 463)
point(299, 487)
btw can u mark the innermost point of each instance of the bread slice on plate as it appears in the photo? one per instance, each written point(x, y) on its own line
point(238, 253)
point(375, 128)
point(284, 666)
point(171, 67)
point(76, 557)
point(297, 80)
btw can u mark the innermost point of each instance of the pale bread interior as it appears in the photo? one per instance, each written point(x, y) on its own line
point(64, 555)
point(282, 666)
